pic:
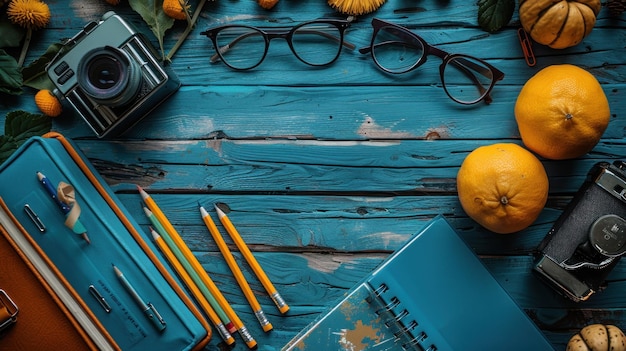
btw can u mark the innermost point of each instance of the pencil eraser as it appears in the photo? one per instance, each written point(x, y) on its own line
point(284, 309)
point(231, 328)
point(267, 327)
point(252, 344)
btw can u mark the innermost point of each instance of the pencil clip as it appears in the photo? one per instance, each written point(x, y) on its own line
point(155, 317)
point(527, 47)
point(101, 300)
point(35, 218)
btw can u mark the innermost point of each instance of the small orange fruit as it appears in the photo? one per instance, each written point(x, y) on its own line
point(267, 4)
point(503, 187)
point(48, 103)
point(174, 9)
point(562, 112)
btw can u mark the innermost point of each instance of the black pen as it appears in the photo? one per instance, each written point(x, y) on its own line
point(148, 309)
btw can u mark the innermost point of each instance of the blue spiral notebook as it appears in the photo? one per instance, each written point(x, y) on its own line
point(433, 293)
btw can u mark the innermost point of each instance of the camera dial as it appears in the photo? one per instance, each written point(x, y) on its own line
point(607, 241)
point(109, 76)
point(608, 236)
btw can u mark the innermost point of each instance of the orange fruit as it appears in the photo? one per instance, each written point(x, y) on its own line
point(502, 186)
point(562, 112)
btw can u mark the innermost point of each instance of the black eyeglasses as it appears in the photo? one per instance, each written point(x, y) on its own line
point(316, 43)
point(466, 79)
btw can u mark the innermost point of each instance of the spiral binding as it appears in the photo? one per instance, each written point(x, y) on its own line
point(405, 328)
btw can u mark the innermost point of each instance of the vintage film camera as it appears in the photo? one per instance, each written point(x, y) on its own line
point(589, 237)
point(110, 74)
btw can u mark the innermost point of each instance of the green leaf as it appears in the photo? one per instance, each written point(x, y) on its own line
point(10, 75)
point(12, 35)
point(494, 14)
point(7, 147)
point(35, 75)
point(152, 13)
point(21, 125)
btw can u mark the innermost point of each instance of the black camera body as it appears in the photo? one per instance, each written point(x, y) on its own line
point(589, 237)
point(111, 75)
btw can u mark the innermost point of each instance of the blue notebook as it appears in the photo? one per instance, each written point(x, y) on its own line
point(434, 293)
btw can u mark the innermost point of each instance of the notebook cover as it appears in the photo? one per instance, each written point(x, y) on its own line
point(436, 287)
point(42, 321)
point(114, 240)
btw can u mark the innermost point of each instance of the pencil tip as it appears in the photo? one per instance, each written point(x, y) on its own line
point(218, 208)
point(86, 238)
point(142, 192)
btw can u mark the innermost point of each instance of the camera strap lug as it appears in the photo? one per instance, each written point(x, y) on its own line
point(612, 183)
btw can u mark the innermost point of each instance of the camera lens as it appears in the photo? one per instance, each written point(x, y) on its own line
point(109, 76)
point(608, 235)
point(104, 73)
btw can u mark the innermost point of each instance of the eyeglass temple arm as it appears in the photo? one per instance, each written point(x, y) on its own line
point(224, 49)
point(368, 49)
point(330, 36)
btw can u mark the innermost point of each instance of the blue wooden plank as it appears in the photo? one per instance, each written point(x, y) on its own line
point(354, 113)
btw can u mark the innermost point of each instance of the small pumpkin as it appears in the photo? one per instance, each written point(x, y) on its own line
point(598, 337)
point(558, 24)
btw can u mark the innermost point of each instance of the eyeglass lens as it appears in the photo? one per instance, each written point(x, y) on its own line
point(465, 79)
point(240, 47)
point(243, 47)
point(316, 44)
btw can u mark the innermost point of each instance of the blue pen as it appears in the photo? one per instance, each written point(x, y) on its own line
point(78, 227)
point(52, 192)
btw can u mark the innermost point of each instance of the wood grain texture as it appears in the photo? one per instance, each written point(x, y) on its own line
point(327, 171)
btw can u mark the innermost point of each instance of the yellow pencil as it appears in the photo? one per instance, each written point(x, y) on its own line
point(238, 325)
point(189, 269)
point(182, 273)
point(247, 254)
point(232, 264)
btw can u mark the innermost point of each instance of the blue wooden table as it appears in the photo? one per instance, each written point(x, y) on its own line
point(327, 171)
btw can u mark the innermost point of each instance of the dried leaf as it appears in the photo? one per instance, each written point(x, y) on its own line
point(494, 14)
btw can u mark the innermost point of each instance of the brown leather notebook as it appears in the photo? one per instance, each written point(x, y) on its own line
point(33, 316)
